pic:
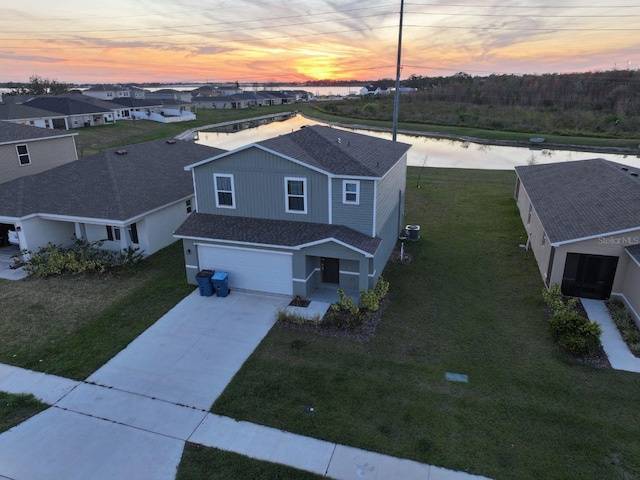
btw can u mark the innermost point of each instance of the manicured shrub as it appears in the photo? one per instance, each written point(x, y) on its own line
point(576, 334)
point(557, 301)
point(81, 257)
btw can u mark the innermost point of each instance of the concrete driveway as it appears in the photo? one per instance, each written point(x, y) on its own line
point(130, 419)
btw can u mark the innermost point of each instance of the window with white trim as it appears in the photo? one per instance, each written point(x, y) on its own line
point(225, 197)
point(189, 206)
point(529, 216)
point(351, 191)
point(23, 154)
point(295, 194)
point(113, 233)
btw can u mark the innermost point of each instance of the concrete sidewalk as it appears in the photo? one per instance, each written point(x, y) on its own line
point(132, 417)
point(614, 346)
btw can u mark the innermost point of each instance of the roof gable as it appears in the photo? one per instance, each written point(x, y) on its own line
point(583, 199)
point(339, 152)
point(331, 151)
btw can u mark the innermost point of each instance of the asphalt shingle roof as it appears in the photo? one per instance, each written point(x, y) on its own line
point(261, 231)
point(65, 105)
point(339, 152)
point(634, 251)
point(14, 132)
point(108, 185)
point(583, 199)
point(19, 111)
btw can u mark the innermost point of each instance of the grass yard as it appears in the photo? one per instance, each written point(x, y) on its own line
point(71, 325)
point(200, 462)
point(469, 302)
point(15, 409)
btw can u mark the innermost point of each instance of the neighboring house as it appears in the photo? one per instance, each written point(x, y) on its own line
point(224, 102)
point(133, 196)
point(120, 112)
point(583, 224)
point(107, 92)
point(77, 112)
point(288, 214)
point(169, 94)
point(26, 150)
point(26, 115)
point(375, 90)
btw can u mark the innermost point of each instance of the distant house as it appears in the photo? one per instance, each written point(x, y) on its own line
point(27, 150)
point(318, 206)
point(583, 224)
point(36, 117)
point(133, 196)
point(107, 92)
point(77, 112)
point(225, 102)
point(375, 90)
point(169, 94)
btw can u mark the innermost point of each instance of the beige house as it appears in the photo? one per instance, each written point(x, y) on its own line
point(27, 150)
point(583, 224)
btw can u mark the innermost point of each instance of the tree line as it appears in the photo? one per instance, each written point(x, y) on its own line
point(591, 104)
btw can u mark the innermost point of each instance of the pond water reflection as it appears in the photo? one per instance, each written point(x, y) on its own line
point(425, 151)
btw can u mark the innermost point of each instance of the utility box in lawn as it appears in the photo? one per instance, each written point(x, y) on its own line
point(205, 283)
point(221, 283)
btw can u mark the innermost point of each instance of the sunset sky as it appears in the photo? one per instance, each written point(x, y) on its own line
point(120, 41)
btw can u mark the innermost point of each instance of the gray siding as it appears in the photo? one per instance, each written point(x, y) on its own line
point(44, 155)
point(260, 188)
point(358, 217)
point(390, 198)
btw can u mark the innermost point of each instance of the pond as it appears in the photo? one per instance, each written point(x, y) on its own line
point(425, 151)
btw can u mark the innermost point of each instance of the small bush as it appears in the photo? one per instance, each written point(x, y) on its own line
point(557, 301)
point(576, 334)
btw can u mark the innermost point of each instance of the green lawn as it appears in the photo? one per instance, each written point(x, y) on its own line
point(469, 302)
point(71, 325)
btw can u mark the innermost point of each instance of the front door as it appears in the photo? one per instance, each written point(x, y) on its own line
point(589, 276)
point(330, 270)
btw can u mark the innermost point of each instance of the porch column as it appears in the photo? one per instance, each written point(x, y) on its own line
point(124, 238)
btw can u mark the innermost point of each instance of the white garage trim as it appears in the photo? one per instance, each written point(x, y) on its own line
point(249, 268)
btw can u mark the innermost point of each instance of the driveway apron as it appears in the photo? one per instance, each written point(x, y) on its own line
point(130, 419)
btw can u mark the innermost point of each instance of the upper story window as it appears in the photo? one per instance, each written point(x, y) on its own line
point(23, 154)
point(225, 197)
point(351, 192)
point(296, 194)
point(529, 216)
point(189, 206)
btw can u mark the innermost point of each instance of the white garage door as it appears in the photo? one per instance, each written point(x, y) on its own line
point(250, 269)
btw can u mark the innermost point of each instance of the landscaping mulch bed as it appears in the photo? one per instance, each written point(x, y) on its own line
point(361, 334)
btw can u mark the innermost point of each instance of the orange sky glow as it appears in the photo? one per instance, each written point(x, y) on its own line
point(76, 41)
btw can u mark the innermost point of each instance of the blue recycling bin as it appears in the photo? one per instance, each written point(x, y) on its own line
point(205, 284)
point(221, 283)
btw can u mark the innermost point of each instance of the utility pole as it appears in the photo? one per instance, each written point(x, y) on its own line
point(396, 102)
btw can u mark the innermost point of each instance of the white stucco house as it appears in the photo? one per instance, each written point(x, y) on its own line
point(133, 196)
point(582, 221)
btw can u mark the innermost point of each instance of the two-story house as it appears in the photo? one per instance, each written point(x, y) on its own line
point(291, 213)
point(27, 150)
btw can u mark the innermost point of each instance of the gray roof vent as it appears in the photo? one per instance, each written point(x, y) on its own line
point(634, 174)
point(171, 141)
point(121, 152)
point(339, 140)
point(625, 169)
